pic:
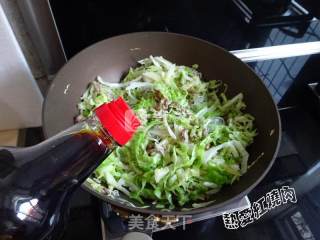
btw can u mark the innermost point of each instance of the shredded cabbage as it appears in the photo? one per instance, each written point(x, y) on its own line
point(192, 141)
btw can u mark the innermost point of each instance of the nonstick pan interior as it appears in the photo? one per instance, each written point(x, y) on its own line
point(112, 58)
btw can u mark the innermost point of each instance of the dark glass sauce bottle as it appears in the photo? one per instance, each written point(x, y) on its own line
point(36, 182)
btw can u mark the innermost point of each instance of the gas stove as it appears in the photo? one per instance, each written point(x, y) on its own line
point(293, 83)
point(285, 54)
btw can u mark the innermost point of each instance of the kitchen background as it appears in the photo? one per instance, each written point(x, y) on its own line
point(30, 42)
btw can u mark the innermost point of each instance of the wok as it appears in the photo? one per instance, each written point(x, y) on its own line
point(112, 58)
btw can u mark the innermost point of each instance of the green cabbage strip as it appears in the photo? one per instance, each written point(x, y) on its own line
point(192, 141)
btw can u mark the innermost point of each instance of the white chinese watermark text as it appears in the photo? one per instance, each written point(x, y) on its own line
point(272, 199)
point(156, 223)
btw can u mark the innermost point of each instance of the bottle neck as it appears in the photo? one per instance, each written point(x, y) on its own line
point(94, 125)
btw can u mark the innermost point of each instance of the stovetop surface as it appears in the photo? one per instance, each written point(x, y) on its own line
point(82, 23)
